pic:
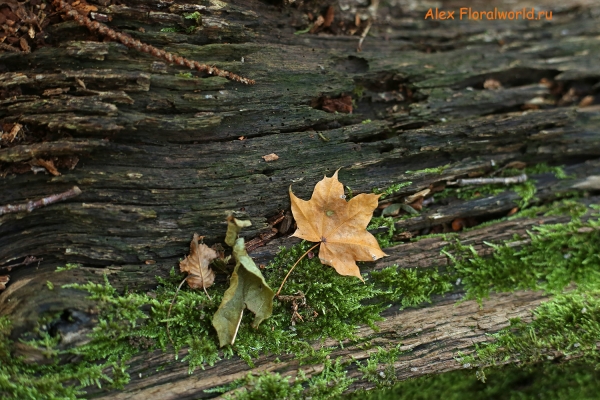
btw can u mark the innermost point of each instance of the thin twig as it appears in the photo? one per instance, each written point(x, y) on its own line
point(130, 42)
point(363, 36)
point(487, 181)
point(372, 15)
point(32, 205)
point(294, 266)
point(28, 260)
point(170, 307)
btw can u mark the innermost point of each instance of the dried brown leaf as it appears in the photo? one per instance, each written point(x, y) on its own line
point(49, 165)
point(196, 265)
point(339, 225)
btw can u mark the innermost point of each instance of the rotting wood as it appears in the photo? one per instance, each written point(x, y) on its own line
point(160, 156)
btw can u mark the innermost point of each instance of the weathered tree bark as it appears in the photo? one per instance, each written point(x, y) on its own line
point(162, 156)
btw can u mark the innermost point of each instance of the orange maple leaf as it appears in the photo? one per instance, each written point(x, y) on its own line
point(339, 225)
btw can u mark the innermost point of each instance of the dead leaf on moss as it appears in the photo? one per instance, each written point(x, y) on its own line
point(247, 289)
point(339, 225)
point(196, 264)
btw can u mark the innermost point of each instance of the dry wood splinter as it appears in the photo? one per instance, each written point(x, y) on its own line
point(487, 181)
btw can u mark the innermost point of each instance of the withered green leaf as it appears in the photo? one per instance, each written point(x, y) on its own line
point(247, 289)
point(234, 226)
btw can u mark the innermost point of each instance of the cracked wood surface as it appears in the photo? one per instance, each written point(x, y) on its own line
point(159, 154)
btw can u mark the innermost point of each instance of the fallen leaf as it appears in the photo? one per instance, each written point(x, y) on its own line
point(339, 225)
point(247, 289)
point(49, 165)
point(196, 265)
point(3, 281)
point(270, 157)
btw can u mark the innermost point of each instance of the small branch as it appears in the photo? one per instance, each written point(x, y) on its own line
point(487, 181)
point(130, 42)
point(32, 205)
point(372, 15)
point(28, 260)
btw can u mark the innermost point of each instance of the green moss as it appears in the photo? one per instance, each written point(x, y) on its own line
point(410, 286)
point(556, 256)
point(332, 307)
point(567, 325)
point(335, 307)
point(23, 380)
point(526, 192)
point(384, 238)
point(569, 207)
point(67, 267)
point(543, 168)
point(196, 16)
point(436, 170)
point(331, 382)
point(575, 380)
point(379, 368)
point(391, 190)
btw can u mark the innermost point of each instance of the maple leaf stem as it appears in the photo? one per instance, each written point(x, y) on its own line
point(171, 306)
point(294, 266)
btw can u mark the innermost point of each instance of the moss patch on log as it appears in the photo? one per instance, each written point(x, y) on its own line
point(551, 257)
point(575, 380)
